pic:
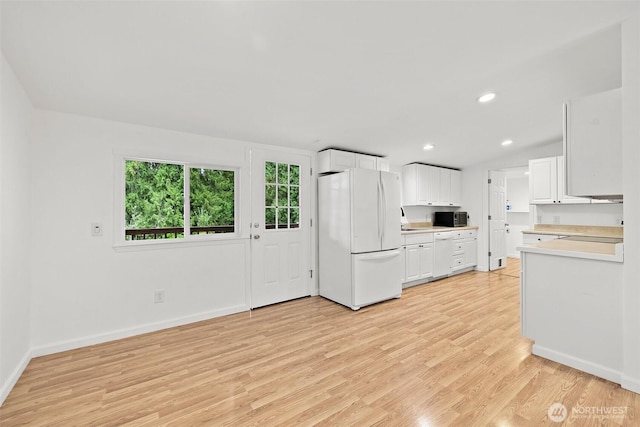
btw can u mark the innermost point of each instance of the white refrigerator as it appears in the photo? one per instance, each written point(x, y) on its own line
point(359, 237)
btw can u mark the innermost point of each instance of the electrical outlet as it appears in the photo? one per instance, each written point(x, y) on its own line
point(158, 296)
point(619, 221)
point(556, 219)
point(539, 219)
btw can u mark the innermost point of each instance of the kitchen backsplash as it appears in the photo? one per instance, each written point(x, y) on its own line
point(602, 214)
point(424, 213)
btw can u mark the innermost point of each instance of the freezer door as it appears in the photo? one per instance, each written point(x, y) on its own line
point(376, 277)
point(366, 199)
point(390, 185)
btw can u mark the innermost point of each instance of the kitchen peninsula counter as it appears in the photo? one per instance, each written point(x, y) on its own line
point(571, 302)
point(595, 248)
point(576, 230)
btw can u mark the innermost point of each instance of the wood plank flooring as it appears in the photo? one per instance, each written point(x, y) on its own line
point(446, 353)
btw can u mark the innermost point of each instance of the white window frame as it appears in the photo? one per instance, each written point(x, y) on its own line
point(119, 198)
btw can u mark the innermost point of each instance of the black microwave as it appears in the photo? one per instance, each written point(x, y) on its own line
point(450, 219)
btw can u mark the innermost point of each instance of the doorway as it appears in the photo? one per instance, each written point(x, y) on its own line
point(280, 227)
point(497, 220)
point(517, 208)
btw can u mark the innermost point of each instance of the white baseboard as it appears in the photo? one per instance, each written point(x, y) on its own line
point(8, 385)
point(130, 332)
point(631, 384)
point(581, 364)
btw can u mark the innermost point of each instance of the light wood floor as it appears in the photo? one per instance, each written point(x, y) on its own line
point(446, 353)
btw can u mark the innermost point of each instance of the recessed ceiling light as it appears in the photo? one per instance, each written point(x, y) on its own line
point(526, 173)
point(486, 97)
point(428, 147)
point(507, 142)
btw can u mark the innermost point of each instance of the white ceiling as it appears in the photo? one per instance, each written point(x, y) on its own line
point(382, 77)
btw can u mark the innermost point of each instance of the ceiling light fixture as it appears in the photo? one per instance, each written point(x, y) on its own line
point(507, 142)
point(486, 97)
point(428, 147)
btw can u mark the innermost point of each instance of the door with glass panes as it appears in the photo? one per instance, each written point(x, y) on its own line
point(280, 228)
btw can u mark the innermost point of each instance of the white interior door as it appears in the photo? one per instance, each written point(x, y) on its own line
point(497, 220)
point(280, 227)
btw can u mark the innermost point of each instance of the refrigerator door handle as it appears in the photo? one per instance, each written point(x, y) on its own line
point(380, 255)
point(379, 213)
point(383, 210)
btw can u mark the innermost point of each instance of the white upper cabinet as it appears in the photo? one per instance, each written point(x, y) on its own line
point(593, 145)
point(364, 161)
point(563, 197)
point(382, 164)
point(444, 198)
point(339, 161)
point(335, 161)
point(543, 181)
point(433, 185)
point(456, 188)
point(426, 185)
point(546, 182)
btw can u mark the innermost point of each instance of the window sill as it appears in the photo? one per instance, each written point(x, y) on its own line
point(145, 245)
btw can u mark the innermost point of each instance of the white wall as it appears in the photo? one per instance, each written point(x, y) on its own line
point(631, 174)
point(601, 214)
point(84, 290)
point(518, 193)
point(15, 229)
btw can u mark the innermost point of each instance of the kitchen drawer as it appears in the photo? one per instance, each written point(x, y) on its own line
point(458, 248)
point(465, 234)
point(458, 262)
point(416, 239)
point(470, 234)
point(530, 239)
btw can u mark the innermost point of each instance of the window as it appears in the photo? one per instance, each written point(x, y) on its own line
point(282, 195)
point(211, 201)
point(162, 203)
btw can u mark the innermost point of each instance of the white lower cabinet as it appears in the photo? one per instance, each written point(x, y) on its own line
point(465, 249)
point(471, 252)
point(426, 260)
point(418, 262)
point(418, 257)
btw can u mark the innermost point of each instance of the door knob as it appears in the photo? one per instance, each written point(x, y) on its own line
point(256, 236)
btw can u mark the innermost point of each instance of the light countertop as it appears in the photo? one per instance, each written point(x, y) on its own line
point(436, 229)
point(576, 230)
point(603, 249)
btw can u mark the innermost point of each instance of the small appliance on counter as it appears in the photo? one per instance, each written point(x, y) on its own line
point(450, 219)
